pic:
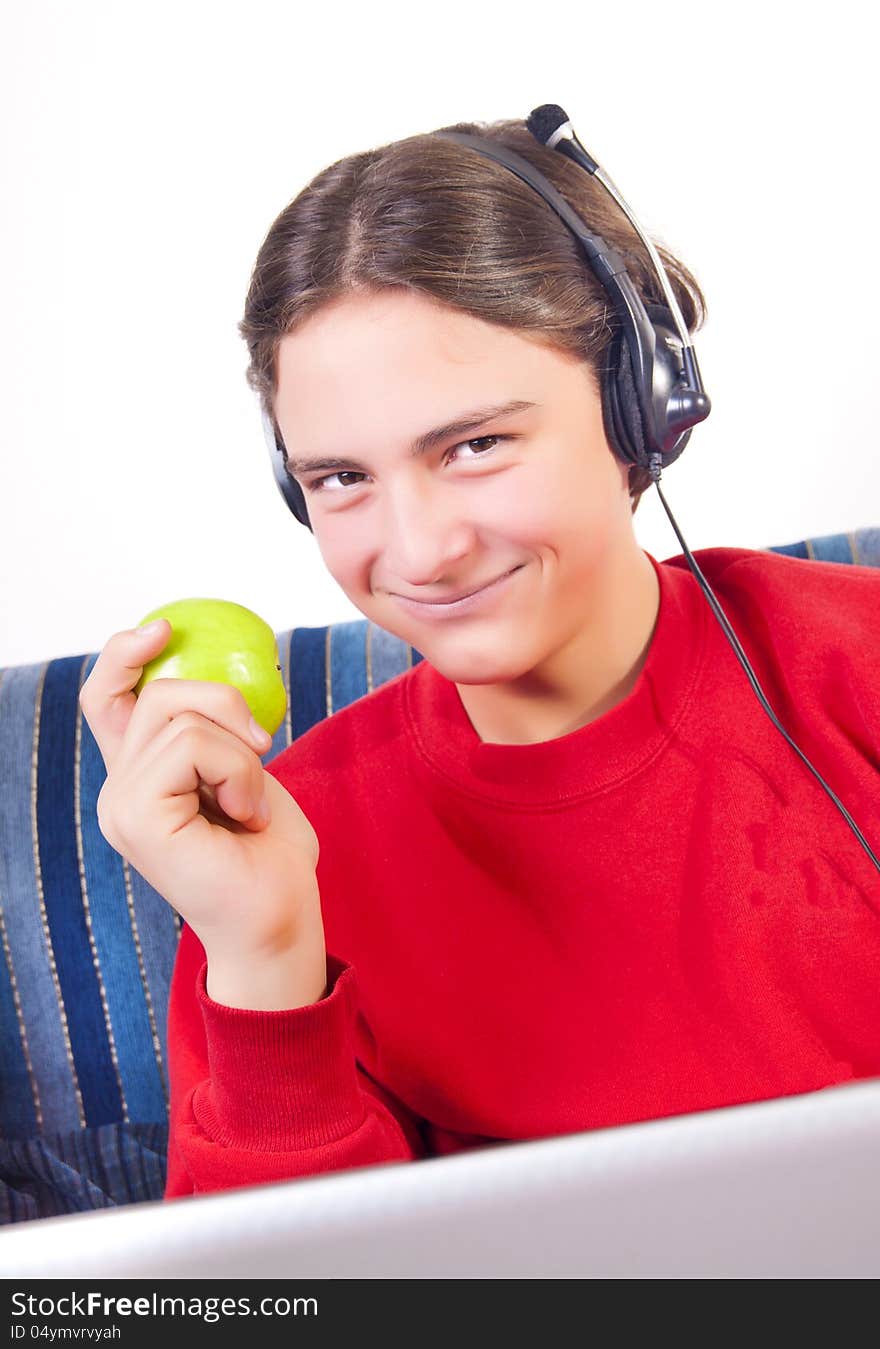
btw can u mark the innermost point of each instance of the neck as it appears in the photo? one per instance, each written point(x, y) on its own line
point(588, 674)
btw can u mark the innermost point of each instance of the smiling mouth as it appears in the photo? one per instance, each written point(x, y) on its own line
point(456, 599)
point(459, 599)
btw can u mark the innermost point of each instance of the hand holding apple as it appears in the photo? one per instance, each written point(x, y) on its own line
point(245, 884)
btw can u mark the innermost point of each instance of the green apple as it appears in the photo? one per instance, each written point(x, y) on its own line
point(224, 643)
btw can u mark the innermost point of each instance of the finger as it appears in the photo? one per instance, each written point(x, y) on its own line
point(106, 697)
point(194, 764)
point(163, 701)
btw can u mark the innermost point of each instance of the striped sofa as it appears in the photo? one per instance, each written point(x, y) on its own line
point(88, 945)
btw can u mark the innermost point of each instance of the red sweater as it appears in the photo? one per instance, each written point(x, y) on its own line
point(660, 912)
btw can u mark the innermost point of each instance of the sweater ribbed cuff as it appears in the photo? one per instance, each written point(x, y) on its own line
point(281, 1081)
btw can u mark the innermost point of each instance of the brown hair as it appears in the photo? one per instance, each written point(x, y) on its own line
point(433, 216)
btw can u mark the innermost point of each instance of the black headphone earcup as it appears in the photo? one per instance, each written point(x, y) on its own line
point(294, 497)
point(620, 405)
point(296, 500)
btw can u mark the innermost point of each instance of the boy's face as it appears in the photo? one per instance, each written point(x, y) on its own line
point(537, 490)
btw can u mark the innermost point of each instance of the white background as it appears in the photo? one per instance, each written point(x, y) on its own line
point(145, 152)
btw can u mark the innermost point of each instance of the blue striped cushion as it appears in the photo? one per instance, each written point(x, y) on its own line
point(83, 1169)
point(860, 547)
point(89, 946)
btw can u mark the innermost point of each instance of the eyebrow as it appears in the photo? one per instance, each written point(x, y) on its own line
point(465, 422)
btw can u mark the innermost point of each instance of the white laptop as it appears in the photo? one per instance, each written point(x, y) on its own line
point(787, 1188)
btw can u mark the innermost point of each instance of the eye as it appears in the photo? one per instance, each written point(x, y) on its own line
point(478, 441)
point(317, 484)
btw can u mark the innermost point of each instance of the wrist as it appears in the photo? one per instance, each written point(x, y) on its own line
point(262, 982)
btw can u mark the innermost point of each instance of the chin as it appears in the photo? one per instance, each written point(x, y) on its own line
point(480, 656)
point(474, 667)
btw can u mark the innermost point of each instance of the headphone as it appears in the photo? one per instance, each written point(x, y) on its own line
point(652, 392)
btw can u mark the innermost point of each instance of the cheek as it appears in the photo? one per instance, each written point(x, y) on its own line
point(559, 515)
point(339, 554)
point(574, 534)
point(351, 560)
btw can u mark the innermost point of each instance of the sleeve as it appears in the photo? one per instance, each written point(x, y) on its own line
point(265, 1096)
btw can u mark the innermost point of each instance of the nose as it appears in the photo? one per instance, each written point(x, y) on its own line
point(425, 535)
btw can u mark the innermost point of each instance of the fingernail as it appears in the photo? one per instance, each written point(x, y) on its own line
point(149, 629)
point(259, 735)
point(262, 811)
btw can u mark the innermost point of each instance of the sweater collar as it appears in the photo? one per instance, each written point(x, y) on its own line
point(616, 746)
